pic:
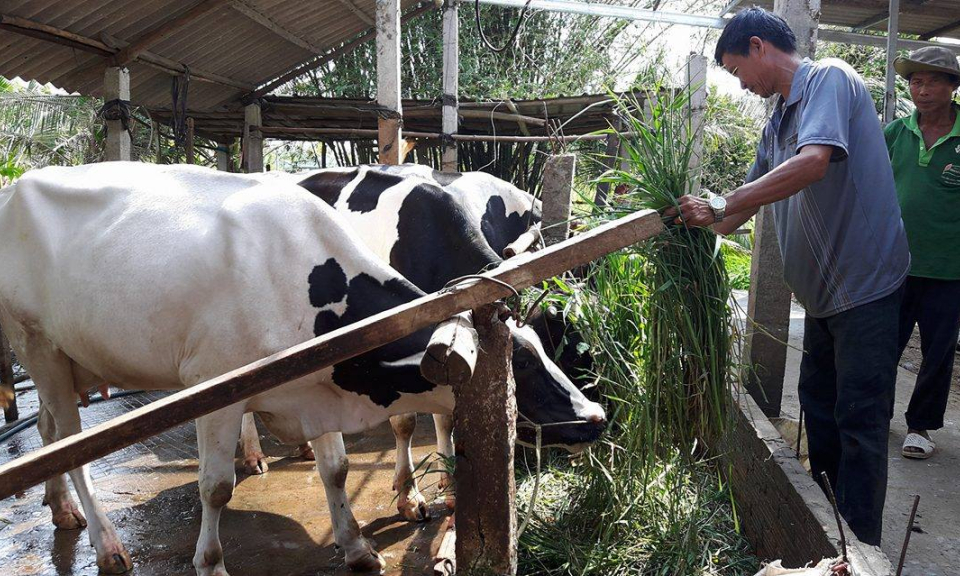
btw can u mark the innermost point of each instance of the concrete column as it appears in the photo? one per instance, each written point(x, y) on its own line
point(223, 155)
point(116, 85)
point(890, 92)
point(252, 139)
point(768, 307)
point(557, 193)
point(697, 106)
point(389, 140)
point(451, 83)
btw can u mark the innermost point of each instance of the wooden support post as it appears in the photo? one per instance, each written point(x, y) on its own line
point(223, 155)
point(696, 106)
point(768, 308)
point(557, 193)
point(451, 355)
point(451, 84)
point(116, 86)
point(389, 140)
point(189, 147)
point(485, 421)
point(890, 92)
point(252, 139)
point(8, 398)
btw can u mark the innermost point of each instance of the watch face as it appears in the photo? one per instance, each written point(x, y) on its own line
point(718, 202)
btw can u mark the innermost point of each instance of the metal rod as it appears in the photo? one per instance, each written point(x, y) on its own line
point(906, 538)
point(836, 513)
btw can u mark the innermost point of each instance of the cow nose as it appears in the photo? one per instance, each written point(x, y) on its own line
point(595, 414)
point(597, 419)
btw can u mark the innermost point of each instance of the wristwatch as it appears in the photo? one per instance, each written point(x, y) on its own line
point(719, 205)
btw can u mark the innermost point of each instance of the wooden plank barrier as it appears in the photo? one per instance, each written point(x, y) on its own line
point(337, 346)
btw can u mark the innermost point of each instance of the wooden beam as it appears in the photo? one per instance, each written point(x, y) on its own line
point(262, 19)
point(938, 31)
point(301, 69)
point(165, 30)
point(521, 272)
point(363, 16)
point(872, 20)
point(451, 85)
point(389, 139)
point(365, 133)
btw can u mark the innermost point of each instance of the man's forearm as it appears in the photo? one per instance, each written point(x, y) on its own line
point(807, 167)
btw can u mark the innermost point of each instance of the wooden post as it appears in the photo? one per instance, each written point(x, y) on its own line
point(451, 84)
point(388, 81)
point(7, 394)
point(557, 193)
point(610, 156)
point(768, 307)
point(223, 155)
point(116, 86)
point(485, 422)
point(189, 147)
point(697, 106)
point(890, 92)
point(252, 139)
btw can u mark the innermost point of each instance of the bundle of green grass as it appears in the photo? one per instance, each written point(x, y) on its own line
point(647, 499)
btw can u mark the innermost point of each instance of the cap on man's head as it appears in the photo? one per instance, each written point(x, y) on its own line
point(928, 59)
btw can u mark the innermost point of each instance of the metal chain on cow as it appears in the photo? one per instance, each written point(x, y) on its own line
point(513, 35)
point(178, 109)
point(116, 109)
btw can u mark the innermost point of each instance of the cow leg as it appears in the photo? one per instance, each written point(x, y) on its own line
point(444, 426)
point(332, 465)
point(410, 502)
point(254, 462)
point(66, 515)
point(217, 435)
point(53, 376)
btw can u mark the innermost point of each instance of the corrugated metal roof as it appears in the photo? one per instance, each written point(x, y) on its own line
point(249, 42)
point(918, 17)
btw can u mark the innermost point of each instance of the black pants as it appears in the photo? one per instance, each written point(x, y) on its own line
point(934, 305)
point(847, 379)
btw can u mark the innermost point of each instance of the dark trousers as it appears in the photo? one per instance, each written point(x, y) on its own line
point(934, 305)
point(847, 379)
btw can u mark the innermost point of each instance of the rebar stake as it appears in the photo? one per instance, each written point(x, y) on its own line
point(836, 513)
point(906, 539)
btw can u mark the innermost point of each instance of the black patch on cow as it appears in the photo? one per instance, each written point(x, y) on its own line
point(327, 185)
point(436, 241)
point(366, 194)
point(498, 228)
point(379, 374)
point(328, 284)
point(445, 178)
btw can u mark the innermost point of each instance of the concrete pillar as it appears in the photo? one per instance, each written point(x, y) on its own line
point(116, 86)
point(557, 193)
point(890, 92)
point(697, 105)
point(768, 306)
point(252, 139)
point(190, 156)
point(223, 155)
point(389, 140)
point(451, 83)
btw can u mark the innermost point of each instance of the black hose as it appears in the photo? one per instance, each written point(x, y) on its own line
point(18, 425)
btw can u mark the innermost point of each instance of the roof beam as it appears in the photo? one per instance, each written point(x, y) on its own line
point(938, 31)
point(729, 7)
point(138, 46)
point(872, 21)
point(358, 12)
point(262, 19)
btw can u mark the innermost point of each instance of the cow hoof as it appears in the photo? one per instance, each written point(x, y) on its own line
point(367, 561)
point(306, 452)
point(414, 509)
point(115, 562)
point(68, 517)
point(255, 464)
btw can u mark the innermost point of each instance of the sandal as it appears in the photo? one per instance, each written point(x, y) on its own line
point(917, 447)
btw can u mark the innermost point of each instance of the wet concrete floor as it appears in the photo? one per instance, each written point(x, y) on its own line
point(276, 524)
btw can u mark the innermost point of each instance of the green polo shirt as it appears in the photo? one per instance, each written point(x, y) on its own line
point(928, 187)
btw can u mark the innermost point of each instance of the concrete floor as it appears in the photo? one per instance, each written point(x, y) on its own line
point(934, 548)
point(275, 524)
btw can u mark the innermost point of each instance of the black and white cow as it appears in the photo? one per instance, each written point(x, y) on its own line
point(160, 277)
point(433, 227)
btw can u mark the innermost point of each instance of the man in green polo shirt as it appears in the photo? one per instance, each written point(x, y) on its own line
point(925, 153)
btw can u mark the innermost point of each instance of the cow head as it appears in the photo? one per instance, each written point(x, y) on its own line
point(545, 396)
